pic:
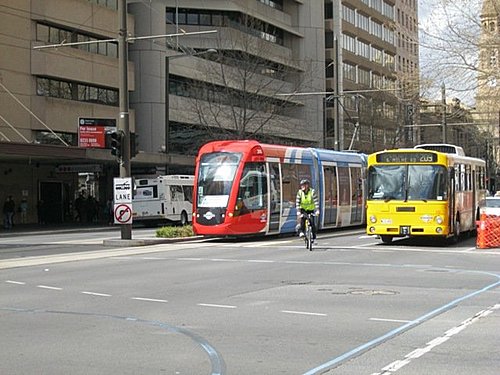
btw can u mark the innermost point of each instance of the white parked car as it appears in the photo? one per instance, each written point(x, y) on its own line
point(490, 206)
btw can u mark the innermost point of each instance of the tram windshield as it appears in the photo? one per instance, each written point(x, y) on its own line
point(215, 178)
point(407, 182)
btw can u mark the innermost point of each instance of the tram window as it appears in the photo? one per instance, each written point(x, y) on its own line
point(344, 186)
point(292, 174)
point(252, 193)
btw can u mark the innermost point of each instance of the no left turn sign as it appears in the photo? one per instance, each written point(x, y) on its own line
point(123, 213)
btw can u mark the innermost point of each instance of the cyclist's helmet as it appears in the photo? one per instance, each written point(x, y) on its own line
point(305, 181)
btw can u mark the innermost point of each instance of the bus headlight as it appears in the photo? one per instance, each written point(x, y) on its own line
point(373, 219)
point(372, 229)
point(439, 220)
point(439, 230)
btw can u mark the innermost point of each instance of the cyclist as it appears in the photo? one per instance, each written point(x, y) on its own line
point(307, 202)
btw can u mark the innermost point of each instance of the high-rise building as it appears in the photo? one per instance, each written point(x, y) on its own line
point(375, 87)
point(245, 79)
point(233, 80)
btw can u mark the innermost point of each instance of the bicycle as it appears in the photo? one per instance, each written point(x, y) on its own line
point(308, 231)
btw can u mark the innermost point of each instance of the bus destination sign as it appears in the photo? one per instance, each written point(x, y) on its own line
point(407, 157)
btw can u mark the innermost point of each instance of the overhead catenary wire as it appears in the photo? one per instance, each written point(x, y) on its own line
point(4, 136)
point(13, 128)
point(34, 115)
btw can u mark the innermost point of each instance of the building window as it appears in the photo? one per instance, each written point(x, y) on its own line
point(364, 77)
point(76, 91)
point(48, 138)
point(276, 4)
point(389, 62)
point(349, 43)
point(363, 22)
point(364, 49)
point(377, 55)
point(54, 35)
point(388, 10)
point(349, 72)
point(376, 29)
point(348, 14)
point(236, 20)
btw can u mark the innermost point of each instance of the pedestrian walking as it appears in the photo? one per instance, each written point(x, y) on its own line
point(8, 212)
point(23, 210)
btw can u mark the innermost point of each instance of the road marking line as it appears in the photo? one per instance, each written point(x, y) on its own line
point(417, 353)
point(48, 287)
point(188, 258)
point(390, 320)
point(268, 243)
point(302, 313)
point(97, 294)
point(260, 261)
point(213, 305)
point(15, 282)
point(149, 299)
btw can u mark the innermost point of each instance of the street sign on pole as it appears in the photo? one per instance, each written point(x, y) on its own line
point(123, 213)
point(122, 194)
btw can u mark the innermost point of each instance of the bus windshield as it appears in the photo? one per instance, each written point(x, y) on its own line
point(215, 178)
point(407, 182)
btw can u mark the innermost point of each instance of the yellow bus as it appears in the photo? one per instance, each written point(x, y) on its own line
point(430, 190)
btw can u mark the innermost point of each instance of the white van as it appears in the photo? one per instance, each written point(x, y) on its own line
point(163, 199)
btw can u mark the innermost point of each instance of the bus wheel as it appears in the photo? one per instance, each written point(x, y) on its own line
point(386, 239)
point(184, 218)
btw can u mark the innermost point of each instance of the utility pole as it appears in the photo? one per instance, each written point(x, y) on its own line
point(339, 141)
point(123, 121)
point(443, 118)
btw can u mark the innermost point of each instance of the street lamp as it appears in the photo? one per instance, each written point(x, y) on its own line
point(167, 90)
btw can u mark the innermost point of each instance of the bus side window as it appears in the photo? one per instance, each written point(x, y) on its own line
point(176, 193)
point(188, 193)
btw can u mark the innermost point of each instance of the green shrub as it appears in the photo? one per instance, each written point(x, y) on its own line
point(175, 232)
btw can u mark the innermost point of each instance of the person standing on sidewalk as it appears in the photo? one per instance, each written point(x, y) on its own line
point(8, 212)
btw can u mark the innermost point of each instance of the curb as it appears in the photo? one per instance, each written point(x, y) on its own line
point(148, 241)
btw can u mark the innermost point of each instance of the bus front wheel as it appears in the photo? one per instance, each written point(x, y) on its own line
point(386, 239)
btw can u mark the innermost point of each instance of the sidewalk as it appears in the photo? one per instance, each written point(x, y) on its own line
point(137, 240)
point(55, 228)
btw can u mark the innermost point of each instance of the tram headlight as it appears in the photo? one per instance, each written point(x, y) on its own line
point(372, 229)
point(439, 230)
point(439, 220)
point(373, 219)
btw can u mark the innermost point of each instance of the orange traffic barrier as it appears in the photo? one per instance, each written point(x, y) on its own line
point(488, 231)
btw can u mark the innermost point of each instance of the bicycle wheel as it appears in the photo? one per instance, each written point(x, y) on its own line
point(309, 236)
point(306, 232)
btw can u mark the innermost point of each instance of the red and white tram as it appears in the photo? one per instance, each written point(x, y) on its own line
point(247, 187)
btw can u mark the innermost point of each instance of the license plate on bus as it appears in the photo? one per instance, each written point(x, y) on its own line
point(404, 230)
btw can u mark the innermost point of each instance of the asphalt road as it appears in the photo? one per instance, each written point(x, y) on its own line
point(351, 306)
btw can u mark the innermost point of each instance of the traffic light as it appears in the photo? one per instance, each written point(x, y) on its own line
point(117, 143)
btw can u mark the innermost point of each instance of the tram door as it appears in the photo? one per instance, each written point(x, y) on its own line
point(274, 197)
point(330, 196)
point(356, 196)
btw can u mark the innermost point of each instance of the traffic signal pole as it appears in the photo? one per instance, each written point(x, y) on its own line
point(123, 121)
